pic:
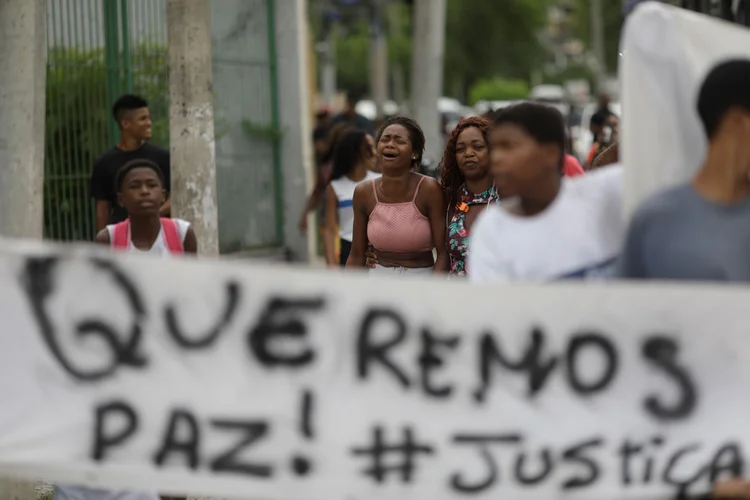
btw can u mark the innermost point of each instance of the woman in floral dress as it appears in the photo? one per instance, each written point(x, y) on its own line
point(468, 186)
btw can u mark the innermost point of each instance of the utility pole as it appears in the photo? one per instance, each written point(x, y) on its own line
point(328, 70)
point(327, 51)
point(398, 78)
point(378, 58)
point(597, 41)
point(23, 57)
point(191, 120)
point(427, 71)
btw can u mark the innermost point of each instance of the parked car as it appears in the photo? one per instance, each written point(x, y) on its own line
point(554, 95)
point(367, 108)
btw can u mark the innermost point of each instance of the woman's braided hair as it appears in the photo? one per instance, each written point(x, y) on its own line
point(451, 178)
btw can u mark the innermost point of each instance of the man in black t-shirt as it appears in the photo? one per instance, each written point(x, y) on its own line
point(132, 116)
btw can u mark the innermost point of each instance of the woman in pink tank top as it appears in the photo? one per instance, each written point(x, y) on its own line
point(402, 214)
point(469, 189)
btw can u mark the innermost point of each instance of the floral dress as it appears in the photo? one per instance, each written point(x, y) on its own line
point(457, 235)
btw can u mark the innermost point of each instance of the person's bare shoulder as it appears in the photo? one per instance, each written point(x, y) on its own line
point(430, 186)
point(102, 237)
point(363, 194)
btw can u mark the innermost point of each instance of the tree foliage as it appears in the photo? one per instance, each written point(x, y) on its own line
point(612, 21)
point(77, 127)
point(353, 47)
point(484, 39)
point(498, 89)
point(487, 38)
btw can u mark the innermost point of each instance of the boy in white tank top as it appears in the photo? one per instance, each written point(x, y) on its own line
point(140, 190)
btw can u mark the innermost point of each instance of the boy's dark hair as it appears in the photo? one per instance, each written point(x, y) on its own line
point(125, 104)
point(132, 164)
point(542, 122)
point(727, 86)
point(415, 134)
point(348, 152)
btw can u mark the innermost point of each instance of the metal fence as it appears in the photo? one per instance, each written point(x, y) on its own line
point(248, 176)
point(100, 49)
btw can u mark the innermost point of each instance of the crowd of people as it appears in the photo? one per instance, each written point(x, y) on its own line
point(391, 218)
point(511, 203)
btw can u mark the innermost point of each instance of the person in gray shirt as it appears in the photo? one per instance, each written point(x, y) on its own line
point(701, 231)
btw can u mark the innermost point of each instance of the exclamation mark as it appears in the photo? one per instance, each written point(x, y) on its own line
point(300, 464)
point(307, 409)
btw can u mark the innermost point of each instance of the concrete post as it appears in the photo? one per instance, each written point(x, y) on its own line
point(597, 41)
point(328, 67)
point(191, 120)
point(296, 127)
point(23, 57)
point(378, 59)
point(427, 71)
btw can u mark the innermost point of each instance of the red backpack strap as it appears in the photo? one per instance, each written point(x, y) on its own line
point(172, 236)
point(121, 235)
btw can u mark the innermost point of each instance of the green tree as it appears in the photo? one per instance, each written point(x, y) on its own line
point(77, 128)
point(612, 21)
point(352, 39)
point(353, 56)
point(485, 38)
point(498, 89)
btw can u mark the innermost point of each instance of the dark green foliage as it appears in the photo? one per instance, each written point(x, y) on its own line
point(78, 126)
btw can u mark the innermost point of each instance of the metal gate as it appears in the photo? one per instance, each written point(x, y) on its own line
point(100, 49)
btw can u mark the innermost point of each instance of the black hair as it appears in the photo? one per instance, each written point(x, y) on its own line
point(415, 134)
point(334, 134)
point(320, 132)
point(727, 86)
point(598, 119)
point(353, 97)
point(349, 151)
point(125, 104)
point(545, 124)
point(123, 171)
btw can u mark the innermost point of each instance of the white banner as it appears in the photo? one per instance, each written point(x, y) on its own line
point(667, 52)
point(246, 381)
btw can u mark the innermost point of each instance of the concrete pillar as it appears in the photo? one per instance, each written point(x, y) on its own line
point(23, 59)
point(294, 104)
point(328, 68)
point(191, 120)
point(427, 71)
point(378, 59)
point(597, 42)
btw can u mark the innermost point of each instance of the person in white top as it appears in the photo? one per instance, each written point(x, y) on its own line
point(547, 227)
point(353, 163)
point(140, 190)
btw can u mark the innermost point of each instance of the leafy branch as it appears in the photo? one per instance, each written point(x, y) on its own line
point(262, 131)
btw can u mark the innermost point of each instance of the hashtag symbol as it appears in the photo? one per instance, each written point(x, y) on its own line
point(404, 455)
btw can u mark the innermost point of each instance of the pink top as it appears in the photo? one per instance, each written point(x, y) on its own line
point(571, 167)
point(399, 227)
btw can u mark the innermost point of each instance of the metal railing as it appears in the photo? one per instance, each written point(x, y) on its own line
point(100, 49)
